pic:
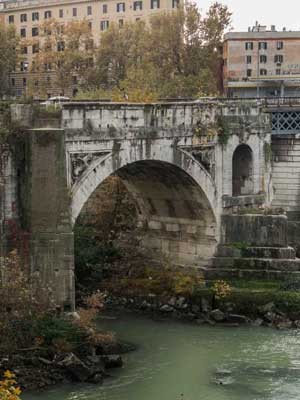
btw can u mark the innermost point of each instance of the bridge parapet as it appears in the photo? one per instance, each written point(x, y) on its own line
point(183, 119)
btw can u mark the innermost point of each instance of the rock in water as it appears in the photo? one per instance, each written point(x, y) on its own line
point(113, 361)
point(78, 370)
point(217, 315)
point(166, 308)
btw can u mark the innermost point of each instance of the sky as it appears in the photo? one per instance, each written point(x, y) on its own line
point(267, 12)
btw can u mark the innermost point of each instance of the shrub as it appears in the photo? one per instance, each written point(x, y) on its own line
point(221, 289)
point(8, 388)
point(23, 302)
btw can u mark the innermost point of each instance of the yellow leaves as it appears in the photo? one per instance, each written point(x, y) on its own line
point(8, 390)
point(222, 289)
point(9, 375)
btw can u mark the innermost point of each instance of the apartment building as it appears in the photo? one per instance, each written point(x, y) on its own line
point(262, 63)
point(28, 15)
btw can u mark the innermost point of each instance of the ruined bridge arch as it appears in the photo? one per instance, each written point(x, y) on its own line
point(175, 196)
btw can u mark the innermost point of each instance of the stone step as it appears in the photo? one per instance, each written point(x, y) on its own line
point(213, 273)
point(270, 264)
point(257, 252)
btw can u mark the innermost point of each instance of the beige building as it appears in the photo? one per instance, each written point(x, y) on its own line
point(262, 63)
point(28, 15)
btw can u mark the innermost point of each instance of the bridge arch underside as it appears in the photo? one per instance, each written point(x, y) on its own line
point(175, 218)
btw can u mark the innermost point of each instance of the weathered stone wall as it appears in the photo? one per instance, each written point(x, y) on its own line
point(255, 230)
point(175, 159)
point(48, 214)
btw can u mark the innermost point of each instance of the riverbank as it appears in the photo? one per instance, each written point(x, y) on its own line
point(174, 358)
point(263, 304)
point(38, 368)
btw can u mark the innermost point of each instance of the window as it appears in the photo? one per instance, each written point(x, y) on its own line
point(35, 16)
point(48, 79)
point(104, 25)
point(35, 32)
point(23, 32)
point(137, 5)
point(24, 66)
point(249, 73)
point(121, 23)
point(175, 3)
point(60, 29)
point(249, 59)
point(35, 48)
point(47, 67)
point(23, 17)
point(24, 82)
point(74, 12)
point(154, 4)
point(90, 25)
point(61, 13)
point(278, 71)
point(24, 50)
point(60, 46)
point(263, 72)
point(263, 59)
point(137, 19)
point(249, 45)
point(89, 10)
point(278, 58)
point(47, 31)
point(11, 19)
point(48, 14)
point(262, 45)
point(13, 82)
point(120, 7)
point(279, 45)
point(104, 8)
point(74, 80)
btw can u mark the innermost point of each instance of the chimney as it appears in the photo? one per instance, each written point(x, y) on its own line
point(284, 29)
point(273, 28)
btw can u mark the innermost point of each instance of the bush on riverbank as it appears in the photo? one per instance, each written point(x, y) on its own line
point(29, 318)
point(240, 296)
point(8, 387)
point(163, 282)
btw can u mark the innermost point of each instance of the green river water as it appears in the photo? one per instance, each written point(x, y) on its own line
point(176, 361)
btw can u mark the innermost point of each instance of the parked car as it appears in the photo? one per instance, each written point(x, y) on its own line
point(56, 100)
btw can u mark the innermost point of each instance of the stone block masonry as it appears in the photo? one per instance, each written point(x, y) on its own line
point(176, 160)
point(48, 208)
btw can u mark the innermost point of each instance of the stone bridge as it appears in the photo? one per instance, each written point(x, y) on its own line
point(192, 167)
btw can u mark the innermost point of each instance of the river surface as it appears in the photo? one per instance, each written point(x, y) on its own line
point(176, 361)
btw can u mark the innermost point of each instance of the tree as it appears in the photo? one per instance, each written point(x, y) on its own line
point(213, 27)
point(65, 54)
point(9, 56)
point(120, 49)
point(177, 54)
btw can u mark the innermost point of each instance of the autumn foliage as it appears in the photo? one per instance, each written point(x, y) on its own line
point(8, 387)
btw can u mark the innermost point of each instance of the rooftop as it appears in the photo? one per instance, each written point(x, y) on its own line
point(7, 5)
point(262, 32)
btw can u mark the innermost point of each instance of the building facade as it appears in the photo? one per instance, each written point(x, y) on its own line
point(262, 63)
point(28, 15)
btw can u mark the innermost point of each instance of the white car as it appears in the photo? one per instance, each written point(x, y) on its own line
point(56, 100)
